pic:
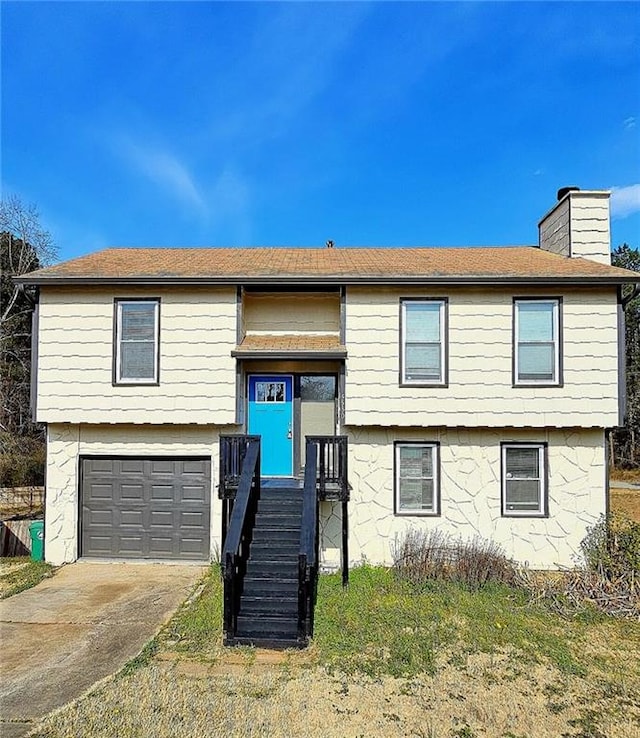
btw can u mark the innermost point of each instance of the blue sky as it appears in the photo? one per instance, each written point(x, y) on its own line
point(223, 124)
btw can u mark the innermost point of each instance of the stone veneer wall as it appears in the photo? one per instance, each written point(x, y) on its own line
point(470, 487)
point(471, 494)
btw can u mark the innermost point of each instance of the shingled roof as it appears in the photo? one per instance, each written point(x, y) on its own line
point(325, 266)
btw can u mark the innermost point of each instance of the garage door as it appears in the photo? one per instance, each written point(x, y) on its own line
point(145, 508)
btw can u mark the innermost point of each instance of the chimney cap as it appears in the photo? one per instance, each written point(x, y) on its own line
point(564, 191)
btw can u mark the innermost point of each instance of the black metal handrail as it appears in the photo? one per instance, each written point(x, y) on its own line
point(233, 449)
point(235, 551)
point(308, 555)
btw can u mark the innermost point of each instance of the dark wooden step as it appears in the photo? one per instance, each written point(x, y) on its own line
point(277, 503)
point(276, 535)
point(267, 627)
point(278, 520)
point(272, 569)
point(269, 605)
point(271, 551)
point(269, 493)
point(268, 587)
point(275, 644)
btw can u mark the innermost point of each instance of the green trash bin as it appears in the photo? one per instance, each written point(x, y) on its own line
point(36, 531)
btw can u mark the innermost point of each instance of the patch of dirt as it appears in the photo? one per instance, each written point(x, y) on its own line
point(625, 475)
point(626, 501)
point(486, 696)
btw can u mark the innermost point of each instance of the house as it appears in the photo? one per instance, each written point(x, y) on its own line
point(474, 388)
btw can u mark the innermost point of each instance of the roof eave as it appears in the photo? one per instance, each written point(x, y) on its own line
point(67, 281)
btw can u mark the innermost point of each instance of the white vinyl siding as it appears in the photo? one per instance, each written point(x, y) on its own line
point(480, 346)
point(423, 341)
point(77, 369)
point(416, 479)
point(523, 479)
point(136, 341)
point(537, 341)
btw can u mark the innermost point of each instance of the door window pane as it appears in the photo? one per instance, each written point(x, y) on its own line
point(317, 389)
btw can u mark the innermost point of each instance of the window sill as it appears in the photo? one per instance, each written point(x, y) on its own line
point(135, 384)
point(416, 514)
point(517, 385)
point(525, 515)
point(442, 385)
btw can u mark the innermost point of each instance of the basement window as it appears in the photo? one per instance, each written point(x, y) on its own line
point(524, 479)
point(416, 479)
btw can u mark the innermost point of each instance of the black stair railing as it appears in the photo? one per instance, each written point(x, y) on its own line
point(332, 476)
point(236, 545)
point(309, 535)
point(325, 478)
point(233, 449)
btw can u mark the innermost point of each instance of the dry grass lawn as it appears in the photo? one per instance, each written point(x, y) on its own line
point(538, 675)
point(626, 501)
point(488, 695)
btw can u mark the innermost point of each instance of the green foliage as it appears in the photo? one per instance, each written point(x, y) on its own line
point(24, 246)
point(22, 460)
point(383, 625)
point(20, 573)
point(197, 626)
point(612, 548)
point(144, 658)
point(626, 441)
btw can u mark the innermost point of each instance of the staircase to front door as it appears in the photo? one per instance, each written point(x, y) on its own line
point(268, 612)
point(271, 539)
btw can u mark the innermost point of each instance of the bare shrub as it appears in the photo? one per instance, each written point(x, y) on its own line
point(611, 580)
point(423, 555)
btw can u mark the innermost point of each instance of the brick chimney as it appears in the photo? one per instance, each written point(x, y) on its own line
point(578, 225)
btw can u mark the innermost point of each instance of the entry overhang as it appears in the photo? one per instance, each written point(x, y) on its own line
point(291, 346)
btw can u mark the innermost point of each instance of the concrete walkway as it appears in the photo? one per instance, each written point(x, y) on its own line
point(83, 624)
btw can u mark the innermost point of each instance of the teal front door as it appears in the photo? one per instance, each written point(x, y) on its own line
point(271, 418)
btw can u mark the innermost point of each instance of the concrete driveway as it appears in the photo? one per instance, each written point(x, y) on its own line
point(70, 631)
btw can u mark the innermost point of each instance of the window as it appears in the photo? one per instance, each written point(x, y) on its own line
point(524, 467)
point(136, 341)
point(423, 338)
point(416, 479)
point(270, 392)
point(537, 341)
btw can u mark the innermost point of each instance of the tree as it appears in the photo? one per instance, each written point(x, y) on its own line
point(24, 246)
point(627, 440)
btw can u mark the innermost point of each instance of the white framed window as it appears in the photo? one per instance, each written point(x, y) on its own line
point(536, 346)
point(524, 479)
point(136, 341)
point(417, 482)
point(423, 334)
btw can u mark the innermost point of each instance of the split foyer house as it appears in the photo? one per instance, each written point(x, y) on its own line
point(472, 388)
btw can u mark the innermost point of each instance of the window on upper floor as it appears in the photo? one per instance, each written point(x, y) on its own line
point(416, 478)
point(136, 341)
point(423, 337)
point(524, 475)
point(537, 356)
